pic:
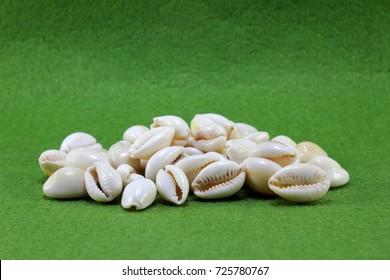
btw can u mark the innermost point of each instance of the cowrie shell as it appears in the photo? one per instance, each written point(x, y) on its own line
point(119, 154)
point(191, 151)
point(128, 174)
point(308, 150)
point(258, 171)
point(285, 140)
point(76, 140)
point(239, 149)
point(51, 160)
point(193, 165)
point(257, 137)
point(182, 130)
point(245, 129)
point(66, 183)
point(337, 175)
point(210, 138)
point(139, 194)
point(300, 182)
point(172, 184)
point(218, 180)
point(275, 151)
point(201, 120)
point(151, 141)
point(84, 157)
point(133, 132)
point(166, 156)
point(103, 182)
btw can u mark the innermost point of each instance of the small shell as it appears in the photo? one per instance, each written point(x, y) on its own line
point(182, 130)
point(301, 182)
point(219, 180)
point(285, 140)
point(159, 160)
point(191, 151)
point(239, 149)
point(133, 132)
point(66, 183)
point(139, 194)
point(128, 174)
point(308, 150)
point(172, 184)
point(257, 137)
point(334, 172)
point(76, 140)
point(192, 165)
point(232, 131)
point(151, 141)
point(209, 138)
point(103, 182)
point(119, 154)
point(84, 157)
point(245, 129)
point(51, 160)
point(258, 171)
point(275, 151)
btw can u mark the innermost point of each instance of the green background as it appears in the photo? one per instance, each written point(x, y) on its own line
point(312, 71)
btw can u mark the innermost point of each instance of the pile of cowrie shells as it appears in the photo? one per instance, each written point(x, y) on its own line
point(214, 158)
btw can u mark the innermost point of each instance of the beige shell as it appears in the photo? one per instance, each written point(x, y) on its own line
point(166, 156)
point(103, 182)
point(218, 180)
point(151, 141)
point(182, 130)
point(128, 174)
point(66, 183)
point(337, 175)
point(239, 149)
point(285, 140)
point(193, 165)
point(258, 171)
point(84, 157)
point(51, 160)
point(76, 140)
point(275, 151)
point(133, 132)
point(257, 137)
point(119, 154)
point(172, 184)
point(139, 194)
point(210, 138)
point(246, 129)
point(300, 182)
point(308, 150)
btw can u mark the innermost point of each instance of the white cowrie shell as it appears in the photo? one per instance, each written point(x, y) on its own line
point(128, 174)
point(210, 138)
point(84, 157)
point(182, 130)
point(192, 165)
point(66, 183)
point(133, 132)
point(51, 160)
point(119, 154)
point(257, 137)
point(191, 151)
point(300, 182)
point(275, 151)
point(239, 149)
point(151, 141)
point(232, 131)
point(284, 140)
point(245, 129)
point(337, 175)
point(258, 171)
point(219, 180)
point(76, 140)
point(172, 184)
point(308, 150)
point(103, 182)
point(139, 194)
point(166, 156)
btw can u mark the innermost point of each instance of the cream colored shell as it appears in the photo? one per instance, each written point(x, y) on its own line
point(128, 174)
point(275, 151)
point(218, 180)
point(285, 140)
point(337, 175)
point(151, 141)
point(172, 184)
point(133, 132)
point(239, 149)
point(182, 130)
point(76, 140)
point(258, 171)
point(51, 160)
point(84, 157)
point(245, 129)
point(119, 154)
point(139, 194)
point(300, 182)
point(66, 183)
point(210, 138)
point(257, 137)
point(103, 182)
point(308, 150)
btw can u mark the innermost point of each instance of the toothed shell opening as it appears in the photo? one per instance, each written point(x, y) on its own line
point(211, 182)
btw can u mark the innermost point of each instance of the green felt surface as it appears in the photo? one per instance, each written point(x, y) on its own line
point(312, 71)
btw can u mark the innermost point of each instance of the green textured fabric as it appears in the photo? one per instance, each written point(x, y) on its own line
point(311, 70)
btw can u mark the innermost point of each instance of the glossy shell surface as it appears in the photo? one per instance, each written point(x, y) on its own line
point(139, 194)
point(172, 184)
